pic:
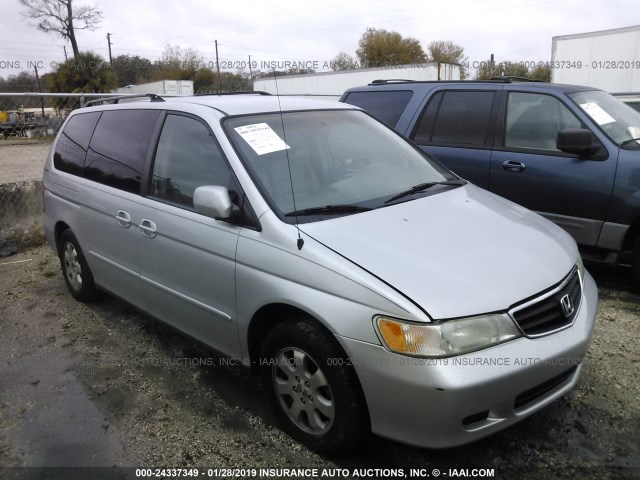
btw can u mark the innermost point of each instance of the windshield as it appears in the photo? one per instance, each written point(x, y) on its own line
point(342, 159)
point(620, 122)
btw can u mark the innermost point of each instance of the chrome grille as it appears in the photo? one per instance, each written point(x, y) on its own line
point(552, 310)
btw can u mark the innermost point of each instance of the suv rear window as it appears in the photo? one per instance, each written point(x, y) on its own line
point(119, 146)
point(385, 106)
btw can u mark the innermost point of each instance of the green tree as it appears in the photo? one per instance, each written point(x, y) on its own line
point(206, 81)
point(235, 82)
point(542, 73)
point(487, 70)
point(511, 69)
point(343, 61)
point(62, 18)
point(87, 73)
point(380, 48)
point(441, 51)
point(130, 70)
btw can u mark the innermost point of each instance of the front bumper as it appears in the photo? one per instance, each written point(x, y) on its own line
point(440, 403)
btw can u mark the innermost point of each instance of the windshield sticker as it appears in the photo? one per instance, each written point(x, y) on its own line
point(261, 138)
point(596, 112)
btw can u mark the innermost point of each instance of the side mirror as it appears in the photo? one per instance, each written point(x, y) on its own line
point(214, 201)
point(576, 140)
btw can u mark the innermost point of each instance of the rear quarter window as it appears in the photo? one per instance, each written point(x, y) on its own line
point(456, 118)
point(385, 106)
point(71, 149)
point(118, 149)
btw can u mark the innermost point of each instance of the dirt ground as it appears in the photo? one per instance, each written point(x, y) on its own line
point(103, 385)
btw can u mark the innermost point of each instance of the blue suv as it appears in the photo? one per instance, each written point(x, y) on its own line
point(568, 152)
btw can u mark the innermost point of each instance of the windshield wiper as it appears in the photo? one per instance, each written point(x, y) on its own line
point(327, 210)
point(631, 140)
point(421, 187)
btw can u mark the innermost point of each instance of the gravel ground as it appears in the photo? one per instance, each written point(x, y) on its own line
point(103, 385)
point(22, 160)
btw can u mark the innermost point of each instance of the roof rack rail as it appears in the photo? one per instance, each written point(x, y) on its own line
point(515, 78)
point(114, 100)
point(492, 80)
point(390, 80)
point(248, 92)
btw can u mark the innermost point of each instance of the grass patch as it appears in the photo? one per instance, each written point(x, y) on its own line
point(29, 237)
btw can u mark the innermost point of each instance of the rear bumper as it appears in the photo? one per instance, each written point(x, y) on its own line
point(440, 403)
point(49, 232)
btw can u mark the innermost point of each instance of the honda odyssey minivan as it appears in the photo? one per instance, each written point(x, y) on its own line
point(369, 287)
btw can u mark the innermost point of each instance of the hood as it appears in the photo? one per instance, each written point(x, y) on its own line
point(458, 253)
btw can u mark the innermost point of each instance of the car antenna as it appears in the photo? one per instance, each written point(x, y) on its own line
point(300, 241)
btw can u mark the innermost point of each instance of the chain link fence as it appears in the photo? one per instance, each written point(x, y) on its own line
point(28, 124)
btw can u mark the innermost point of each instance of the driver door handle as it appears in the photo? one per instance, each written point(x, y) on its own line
point(513, 166)
point(123, 219)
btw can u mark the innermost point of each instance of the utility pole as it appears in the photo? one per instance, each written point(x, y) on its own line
point(39, 91)
point(218, 68)
point(250, 73)
point(109, 42)
point(64, 47)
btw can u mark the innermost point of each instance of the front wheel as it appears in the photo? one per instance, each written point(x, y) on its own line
point(312, 387)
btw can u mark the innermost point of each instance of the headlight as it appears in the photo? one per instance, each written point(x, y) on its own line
point(453, 337)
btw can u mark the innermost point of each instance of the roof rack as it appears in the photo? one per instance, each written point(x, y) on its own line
point(249, 92)
point(515, 78)
point(493, 80)
point(113, 100)
point(390, 80)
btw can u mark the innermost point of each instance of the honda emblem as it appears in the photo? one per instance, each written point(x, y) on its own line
point(567, 305)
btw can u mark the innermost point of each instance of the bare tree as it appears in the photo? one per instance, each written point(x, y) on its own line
point(60, 17)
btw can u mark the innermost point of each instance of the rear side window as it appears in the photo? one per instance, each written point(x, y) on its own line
point(187, 157)
point(456, 117)
point(385, 106)
point(71, 149)
point(119, 146)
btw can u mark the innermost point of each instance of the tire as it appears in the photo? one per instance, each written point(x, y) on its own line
point(76, 271)
point(635, 264)
point(312, 387)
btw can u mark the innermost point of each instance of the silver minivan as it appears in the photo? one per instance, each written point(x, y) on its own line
point(368, 286)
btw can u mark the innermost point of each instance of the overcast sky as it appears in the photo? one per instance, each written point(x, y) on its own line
point(280, 30)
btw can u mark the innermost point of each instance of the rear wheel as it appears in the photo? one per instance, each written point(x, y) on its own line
point(635, 263)
point(312, 387)
point(75, 269)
